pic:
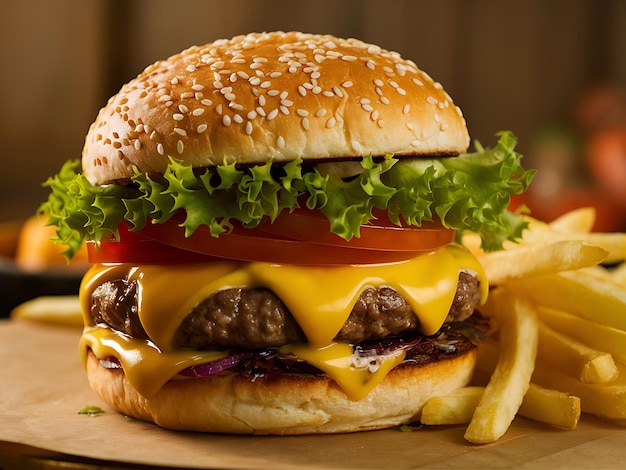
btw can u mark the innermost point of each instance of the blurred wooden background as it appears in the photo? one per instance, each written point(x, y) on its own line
point(518, 65)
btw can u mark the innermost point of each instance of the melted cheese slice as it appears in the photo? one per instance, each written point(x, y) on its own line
point(319, 298)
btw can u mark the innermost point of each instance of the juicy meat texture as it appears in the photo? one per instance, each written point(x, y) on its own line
point(252, 318)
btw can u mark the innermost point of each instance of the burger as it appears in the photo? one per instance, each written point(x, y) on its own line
point(271, 222)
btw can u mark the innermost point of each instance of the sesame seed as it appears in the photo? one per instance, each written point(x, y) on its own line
point(320, 112)
point(284, 109)
point(348, 58)
point(380, 123)
point(301, 90)
point(338, 91)
point(384, 100)
point(197, 87)
point(266, 84)
point(198, 95)
point(255, 81)
point(174, 81)
point(431, 100)
point(206, 102)
point(379, 91)
point(275, 74)
point(367, 107)
point(370, 64)
point(406, 109)
point(237, 106)
point(218, 109)
point(374, 115)
point(305, 123)
point(302, 112)
point(232, 78)
point(248, 128)
point(226, 120)
point(417, 81)
point(443, 127)
point(191, 68)
point(178, 117)
point(252, 114)
point(242, 74)
point(138, 128)
point(180, 131)
point(280, 142)
point(230, 96)
point(273, 92)
point(198, 111)
point(378, 82)
point(256, 66)
point(415, 143)
point(201, 128)
point(160, 149)
point(261, 111)
point(347, 84)
point(187, 94)
point(315, 75)
point(182, 108)
point(137, 144)
point(410, 126)
point(401, 91)
point(328, 93)
point(180, 147)
point(272, 114)
point(316, 90)
point(262, 100)
point(331, 122)
point(164, 98)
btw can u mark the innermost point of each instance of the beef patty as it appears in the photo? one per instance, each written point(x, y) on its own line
point(256, 318)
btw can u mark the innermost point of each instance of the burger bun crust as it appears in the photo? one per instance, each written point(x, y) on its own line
point(272, 97)
point(282, 404)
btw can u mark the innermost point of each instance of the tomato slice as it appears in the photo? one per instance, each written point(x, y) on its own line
point(301, 237)
point(380, 235)
point(133, 248)
point(256, 245)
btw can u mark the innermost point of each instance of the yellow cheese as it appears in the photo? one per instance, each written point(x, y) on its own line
point(319, 298)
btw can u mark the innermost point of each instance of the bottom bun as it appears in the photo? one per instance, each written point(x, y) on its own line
point(282, 404)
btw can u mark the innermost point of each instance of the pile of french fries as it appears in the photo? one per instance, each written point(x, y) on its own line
point(558, 299)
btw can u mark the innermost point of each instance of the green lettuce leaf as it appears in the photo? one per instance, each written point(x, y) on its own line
point(468, 193)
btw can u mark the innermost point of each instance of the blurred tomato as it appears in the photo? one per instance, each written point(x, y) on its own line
point(606, 157)
point(609, 217)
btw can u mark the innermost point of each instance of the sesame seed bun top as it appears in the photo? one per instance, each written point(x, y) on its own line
point(272, 96)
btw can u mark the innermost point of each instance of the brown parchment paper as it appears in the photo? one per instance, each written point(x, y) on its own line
point(43, 385)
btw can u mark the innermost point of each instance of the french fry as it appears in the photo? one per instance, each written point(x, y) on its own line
point(618, 275)
point(614, 243)
point(503, 266)
point(539, 404)
point(456, 407)
point(510, 380)
point(578, 293)
point(551, 407)
point(579, 220)
point(575, 358)
point(605, 401)
point(594, 335)
point(61, 309)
